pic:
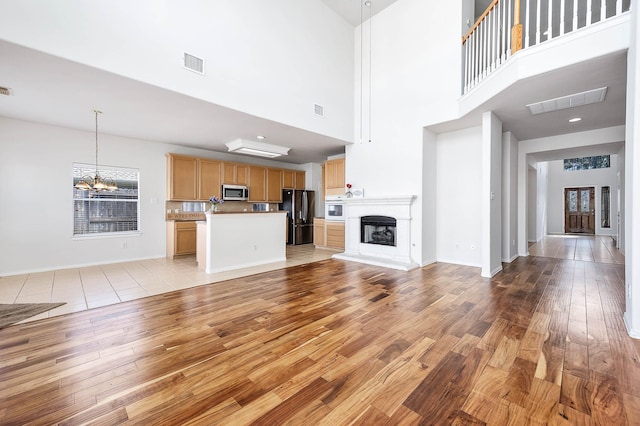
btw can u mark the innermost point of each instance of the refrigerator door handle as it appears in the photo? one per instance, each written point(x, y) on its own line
point(305, 202)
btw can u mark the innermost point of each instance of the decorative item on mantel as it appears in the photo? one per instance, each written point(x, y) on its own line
point(214, 201)
point(348, 192)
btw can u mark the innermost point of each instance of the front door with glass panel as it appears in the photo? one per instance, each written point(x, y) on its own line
point(579, 211)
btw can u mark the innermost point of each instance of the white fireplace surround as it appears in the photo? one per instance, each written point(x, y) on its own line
point(398, 207)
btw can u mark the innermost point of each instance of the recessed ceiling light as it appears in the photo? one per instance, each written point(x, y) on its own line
point(574, 120)
point(261, 137)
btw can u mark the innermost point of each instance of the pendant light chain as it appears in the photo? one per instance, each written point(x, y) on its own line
point(96, 112)
point(370, 70)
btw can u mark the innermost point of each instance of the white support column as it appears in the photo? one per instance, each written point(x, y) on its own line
point(589, 13)
point(491, 194)
point(575, 15)
point(632, 182)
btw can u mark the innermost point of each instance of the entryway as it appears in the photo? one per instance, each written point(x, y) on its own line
point(579, 211)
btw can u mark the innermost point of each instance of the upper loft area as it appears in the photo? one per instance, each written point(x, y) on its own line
point(552, 49)
point(509, 26)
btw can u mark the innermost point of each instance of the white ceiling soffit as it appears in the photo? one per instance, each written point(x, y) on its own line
point(350, 10)
point(569, 101)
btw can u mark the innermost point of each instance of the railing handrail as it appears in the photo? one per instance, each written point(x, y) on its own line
point(479, 20)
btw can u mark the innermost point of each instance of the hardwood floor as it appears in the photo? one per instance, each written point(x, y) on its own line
point(337, 343)
point(589, 248)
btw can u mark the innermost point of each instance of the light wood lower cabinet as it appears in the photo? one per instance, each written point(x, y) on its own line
point(328, 234)
point(335, 234)
point(318, 232)
point(181, 238)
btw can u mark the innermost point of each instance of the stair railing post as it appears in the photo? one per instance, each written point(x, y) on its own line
point(516, 31)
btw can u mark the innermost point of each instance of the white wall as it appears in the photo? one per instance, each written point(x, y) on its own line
point(459, 194)
point(559, 180)
point(272, 59)
point(408, 87)
point(36, 218)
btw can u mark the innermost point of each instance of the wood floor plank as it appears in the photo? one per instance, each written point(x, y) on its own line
point(337, 343)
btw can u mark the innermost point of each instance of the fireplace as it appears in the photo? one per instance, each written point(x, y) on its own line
point(378, 230)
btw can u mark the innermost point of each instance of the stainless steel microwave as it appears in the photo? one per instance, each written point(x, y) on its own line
point(235, 193)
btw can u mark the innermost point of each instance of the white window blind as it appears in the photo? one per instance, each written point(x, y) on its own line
point(106, 212)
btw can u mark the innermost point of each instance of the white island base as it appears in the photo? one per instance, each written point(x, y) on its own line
point(228, 241)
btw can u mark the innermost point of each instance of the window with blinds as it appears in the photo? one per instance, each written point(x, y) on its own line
point(106, 212)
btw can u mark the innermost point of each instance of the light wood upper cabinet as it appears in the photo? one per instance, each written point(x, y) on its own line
point(182, 177)
point(197, 179)
point(257, 184)
point(293, 179)
point(235, 174)
point(209, 179)
point(301, 180)
point(274, 185)
point(334, 181)
point(289, 179)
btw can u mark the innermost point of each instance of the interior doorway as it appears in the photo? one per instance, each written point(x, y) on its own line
point(579, 211)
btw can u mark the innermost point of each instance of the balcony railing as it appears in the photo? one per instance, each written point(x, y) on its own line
point(498, 33)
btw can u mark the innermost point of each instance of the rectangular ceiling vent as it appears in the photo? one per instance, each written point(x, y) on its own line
point(318, 110)
point(6, 91)
point(569, 101)
point(193, 63)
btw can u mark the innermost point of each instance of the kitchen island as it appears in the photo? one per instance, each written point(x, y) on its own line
point(228, 241)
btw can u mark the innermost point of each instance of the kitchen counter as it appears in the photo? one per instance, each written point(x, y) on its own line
point(234, 240)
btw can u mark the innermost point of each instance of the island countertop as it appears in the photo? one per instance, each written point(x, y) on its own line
point(234, 240)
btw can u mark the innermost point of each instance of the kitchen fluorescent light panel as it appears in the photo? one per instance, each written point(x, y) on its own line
point(569, 101)
point(260, 149)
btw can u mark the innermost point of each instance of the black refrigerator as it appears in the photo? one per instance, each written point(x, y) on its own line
point(300, 207)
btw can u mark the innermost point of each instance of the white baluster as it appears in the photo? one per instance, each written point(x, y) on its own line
point(618, 7)
point(484, 49)
point(494, 42)
point(503, 15)
point(507, 45)
point(526, 25)
point(603, 10)
point(575, 15)
point(562, 17)
point(589, 5)
point(550, 19)
point(538, 22)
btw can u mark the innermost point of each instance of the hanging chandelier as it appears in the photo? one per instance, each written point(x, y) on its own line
point(96, 183)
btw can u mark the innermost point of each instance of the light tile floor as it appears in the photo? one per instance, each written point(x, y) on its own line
point(101, 285)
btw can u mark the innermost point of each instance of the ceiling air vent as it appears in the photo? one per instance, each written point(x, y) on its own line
point(569, 101)
point(318, 110)
point(193, 63)
point(6, 91)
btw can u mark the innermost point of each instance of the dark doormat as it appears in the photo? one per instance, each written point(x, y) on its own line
point(11, 314)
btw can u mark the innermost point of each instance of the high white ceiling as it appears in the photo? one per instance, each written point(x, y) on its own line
point(59, 92)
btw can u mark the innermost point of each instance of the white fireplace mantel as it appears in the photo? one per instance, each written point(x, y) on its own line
point(396, 206)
